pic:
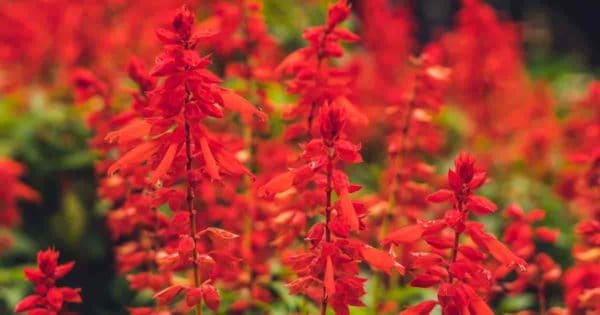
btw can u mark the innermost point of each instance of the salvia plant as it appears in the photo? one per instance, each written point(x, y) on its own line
point(283, 157)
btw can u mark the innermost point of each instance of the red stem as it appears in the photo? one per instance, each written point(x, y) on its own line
point(190, 199)
point(328, 191)
point(457, 234)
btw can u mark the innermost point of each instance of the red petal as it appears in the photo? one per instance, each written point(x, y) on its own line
point(167, 295)
point(480, 307)
point(54, 297)
point(440, 195)
point(471, 253)
point(454, 180)
point(329, 280)
point(133, 131)
point(164, 66)
point(477, 181)
point(164, 164)
point(346, 35)
point(28, 303)
point(378, 259)
point(425, 280)
point(481, 205)
point(242, 106)
point(536, 215)
point(71, 295)
point(290, 61)
point(547, 234)
point(193, 296)
point(277, 184)
point(33, 275)
point(301, 284)
point(219, 233)
point(209, 160)
point(134, 157)
point(63, 269)
point(316, 232)
point(498, 250)
point(166, 36)
point(25, 192)
point(211, 296)
point(204, 33)
point(185, 248)
point(348, 212)
point(406, 235)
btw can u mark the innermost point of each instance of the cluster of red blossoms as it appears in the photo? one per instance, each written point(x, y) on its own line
point(328, 271)
point(184, 158)
point(211, 186)
point(48, 298)
point(461, 272)
point(13, 191)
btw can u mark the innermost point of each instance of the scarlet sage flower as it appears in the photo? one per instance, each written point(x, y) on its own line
point(331, 263)
point(133, 222)
point(483, 66)
point(520, 236)
point(247, 35)
point(13, 191)
point(48, 299)
point(424, 97)
point(179, 148)
point(404, 183)
point(328, 271)
point(316, 81)
point(456, 269)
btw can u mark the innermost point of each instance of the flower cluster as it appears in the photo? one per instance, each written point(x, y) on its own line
point(520, 235)
point(316, 81)
point(183, 156)
point(254, 72)
point(328, 272)
point(48, 299)
point(458, 270)
point(582, 187)
point(12, 191)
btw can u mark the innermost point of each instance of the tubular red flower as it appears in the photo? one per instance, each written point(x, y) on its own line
point(48, 298)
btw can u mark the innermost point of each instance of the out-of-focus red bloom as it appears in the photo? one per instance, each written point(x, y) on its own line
point(43, 42)
point(86, 85)
point(482, 65)
point(12, 191)
point(581, 187)
point(385, 76)
point(250, 55)
point(316, 81)
point(48, 299)
point(579, 280)
point(520, 235)
point(462, 278)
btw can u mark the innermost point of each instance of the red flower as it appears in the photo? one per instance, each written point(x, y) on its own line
point(13, 191)
point(462, 278)
point(48, 298)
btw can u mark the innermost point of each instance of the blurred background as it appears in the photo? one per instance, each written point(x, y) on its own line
point(41, 41)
